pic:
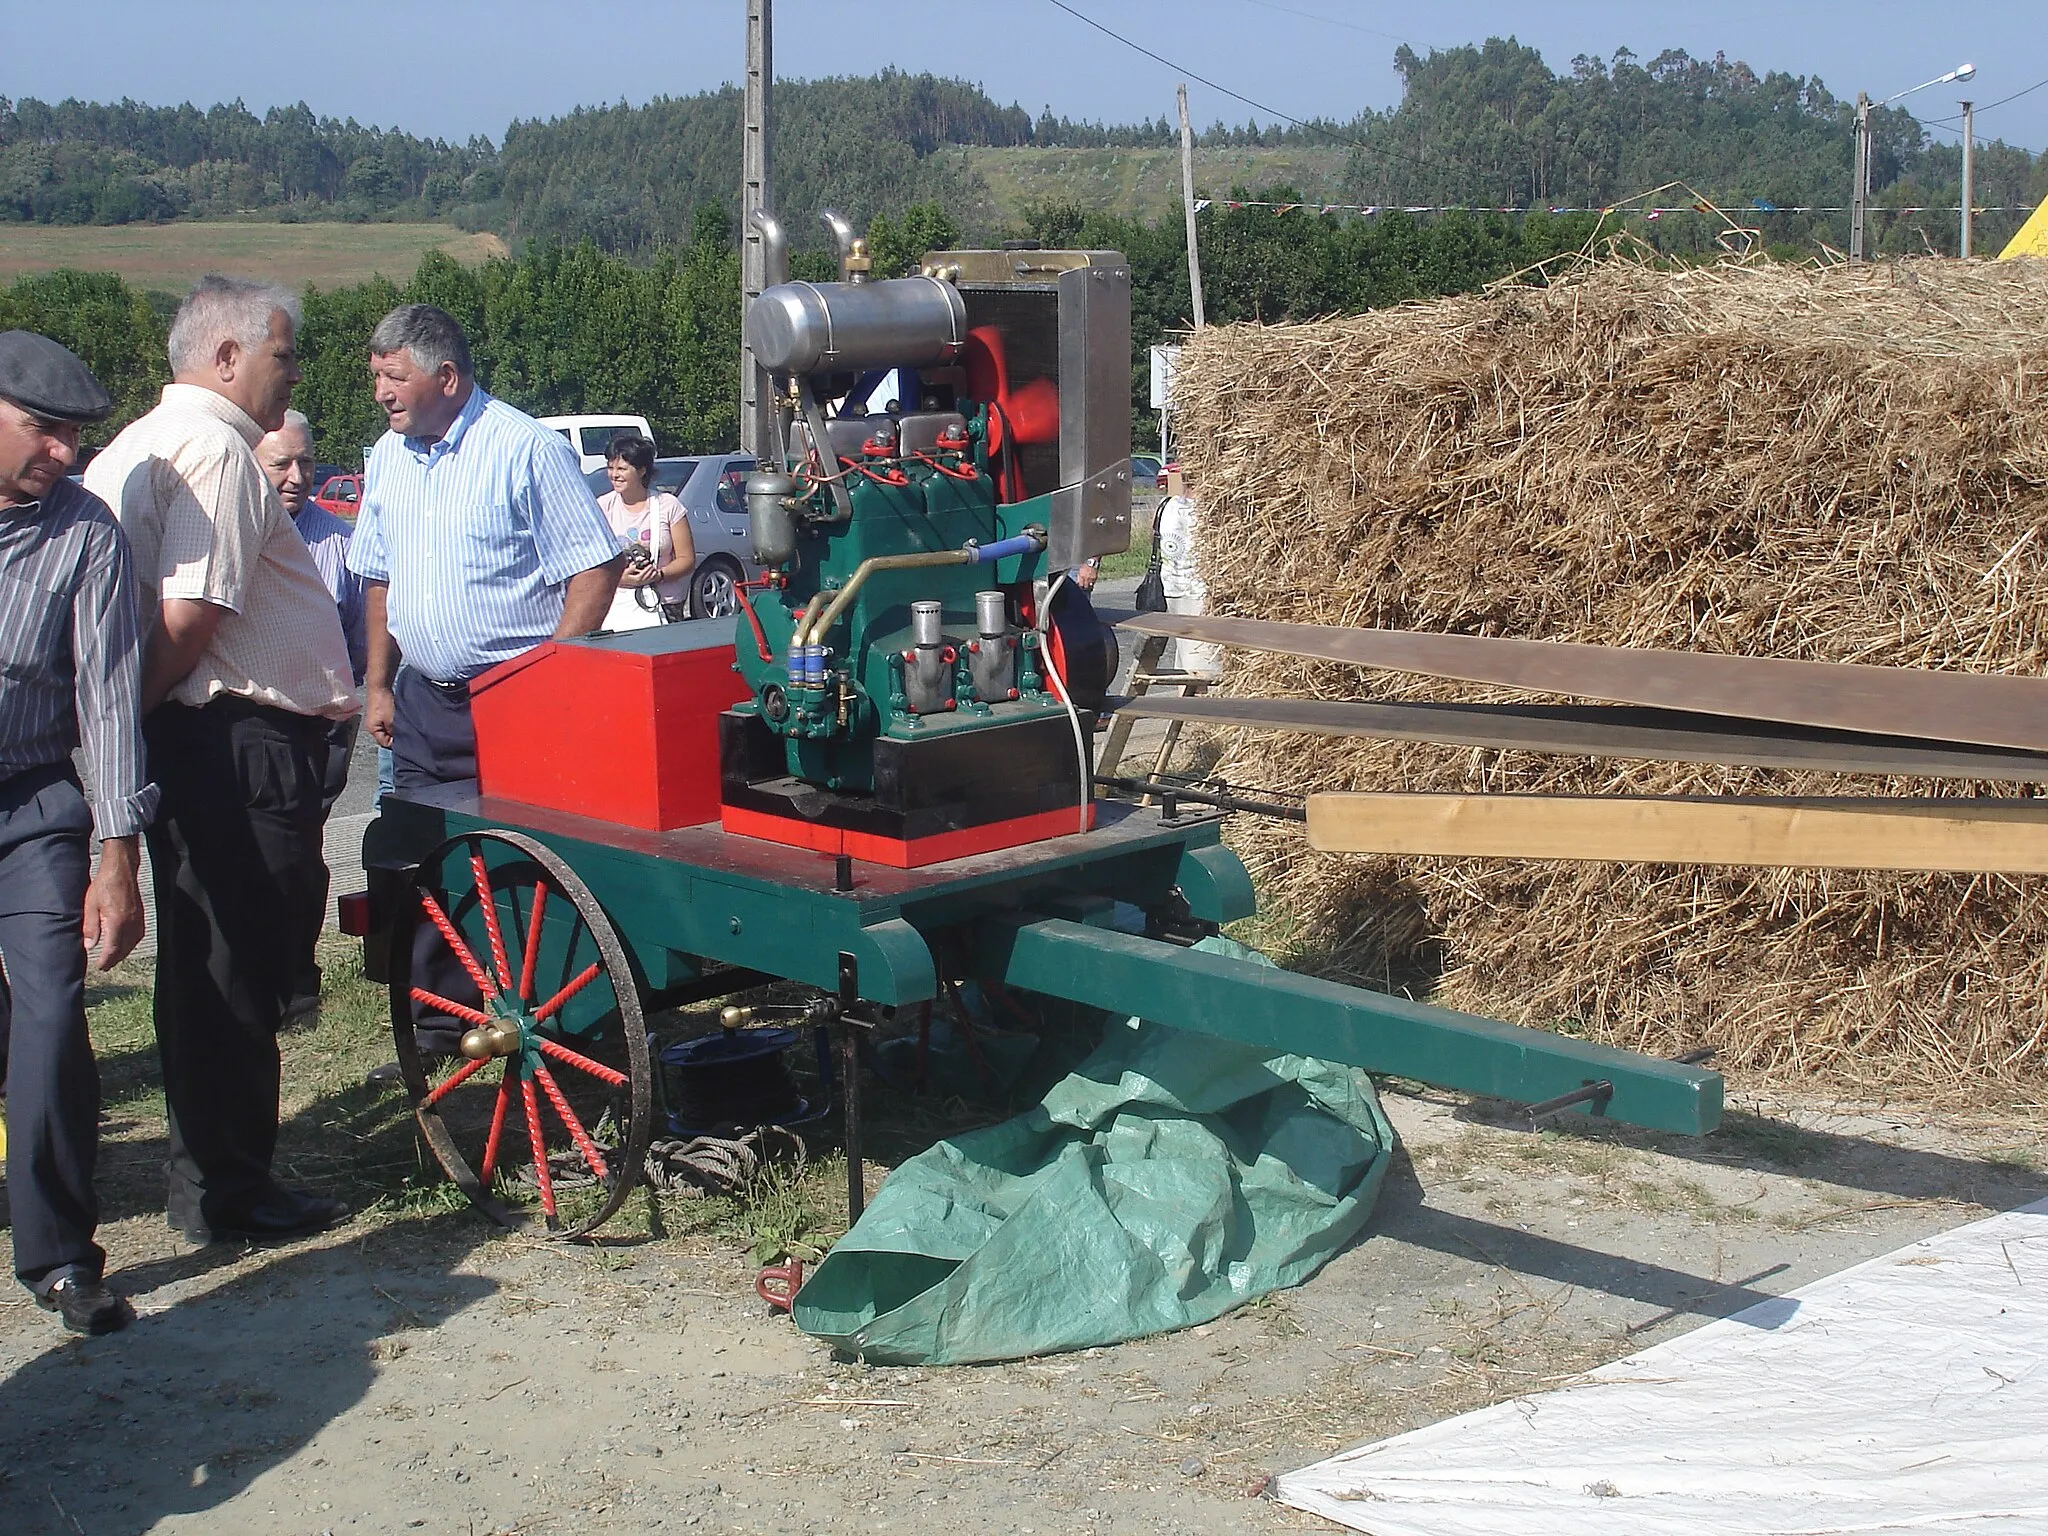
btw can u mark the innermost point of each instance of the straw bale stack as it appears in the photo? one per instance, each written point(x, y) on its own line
point(1842, 463)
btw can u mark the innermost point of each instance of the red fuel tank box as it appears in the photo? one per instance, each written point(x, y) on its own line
point(617, 727)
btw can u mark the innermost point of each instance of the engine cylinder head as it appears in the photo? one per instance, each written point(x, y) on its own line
point(991, 614)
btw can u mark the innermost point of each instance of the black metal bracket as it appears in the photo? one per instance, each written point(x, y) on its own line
point(1170, 796)
point(1598, 1093)
point(849, 1091)
point(1595, 1093)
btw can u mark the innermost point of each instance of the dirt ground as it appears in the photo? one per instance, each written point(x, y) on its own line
point(417, 1370)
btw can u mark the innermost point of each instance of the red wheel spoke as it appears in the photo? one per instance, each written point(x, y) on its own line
point(462, 1075)
point(490, 906)
point(548, 1008)
point(490, 1165)
point(540, 1150)
point(596, 1069)
point(449, 1006)
point(540, 902)
point(440, 921)
point(576, 1132)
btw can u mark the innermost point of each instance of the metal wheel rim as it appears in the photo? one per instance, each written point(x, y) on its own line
point(631, 1155)
point(715, 596)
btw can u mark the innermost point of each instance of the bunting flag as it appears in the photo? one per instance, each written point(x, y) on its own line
point(1747, 205)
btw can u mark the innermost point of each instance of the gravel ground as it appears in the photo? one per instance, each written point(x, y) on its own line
point(417, 1370)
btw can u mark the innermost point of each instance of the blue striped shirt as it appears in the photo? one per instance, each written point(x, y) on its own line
point(476, 536)
point(327, 539)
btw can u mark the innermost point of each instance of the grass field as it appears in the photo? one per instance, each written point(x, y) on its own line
point(170, 257)
point(1145, 183)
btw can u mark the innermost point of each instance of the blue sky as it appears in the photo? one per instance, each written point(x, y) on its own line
point(457, 67)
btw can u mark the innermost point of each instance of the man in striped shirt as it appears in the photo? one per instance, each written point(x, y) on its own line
point(245, 674)
point(70, 670)
point(479, 539)
point(286, 458)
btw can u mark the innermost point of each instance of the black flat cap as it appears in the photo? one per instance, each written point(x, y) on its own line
point(48, 380)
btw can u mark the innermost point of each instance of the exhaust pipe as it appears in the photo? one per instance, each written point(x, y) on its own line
point(774, 247)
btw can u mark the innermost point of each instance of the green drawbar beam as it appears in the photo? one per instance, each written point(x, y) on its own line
point(1280, 1011)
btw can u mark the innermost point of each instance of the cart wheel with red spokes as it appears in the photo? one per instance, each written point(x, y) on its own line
point(547, 1105)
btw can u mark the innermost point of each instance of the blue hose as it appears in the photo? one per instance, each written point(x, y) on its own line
point(1002, 549)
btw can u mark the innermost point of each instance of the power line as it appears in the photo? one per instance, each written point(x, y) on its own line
point(2015, 96)
point(1257, 106)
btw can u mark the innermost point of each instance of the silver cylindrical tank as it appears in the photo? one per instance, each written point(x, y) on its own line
point(771, 527)
point(904, 322)
point(926, 620)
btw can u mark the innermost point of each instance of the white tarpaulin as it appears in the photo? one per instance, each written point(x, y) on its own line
point(1907, 1394)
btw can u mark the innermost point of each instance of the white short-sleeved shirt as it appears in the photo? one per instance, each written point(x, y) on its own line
point(206, 526)
point(649, 525)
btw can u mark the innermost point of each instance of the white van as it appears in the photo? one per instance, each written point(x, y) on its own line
point(590, 436)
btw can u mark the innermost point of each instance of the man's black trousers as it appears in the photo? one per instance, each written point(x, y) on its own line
point(235, 853)
point(53, 1085)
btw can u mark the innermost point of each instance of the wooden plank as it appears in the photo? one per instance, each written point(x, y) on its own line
point(1990, 709)
point(1605, 730)
point(1963, 836)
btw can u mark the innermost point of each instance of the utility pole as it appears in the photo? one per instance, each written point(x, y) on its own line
point(1187, 193)
point(1859, 192)
point(1969, 174)
point(755, 433)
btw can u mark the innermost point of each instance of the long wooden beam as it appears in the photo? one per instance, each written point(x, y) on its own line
point(1991, 709)
point(1962, 836)
point(1608, 730)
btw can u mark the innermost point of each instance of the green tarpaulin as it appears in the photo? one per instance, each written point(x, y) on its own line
point(1171, 1177)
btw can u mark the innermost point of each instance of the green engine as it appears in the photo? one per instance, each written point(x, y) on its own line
point(951, 444)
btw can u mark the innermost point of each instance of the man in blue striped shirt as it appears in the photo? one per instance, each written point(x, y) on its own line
point(479, 540)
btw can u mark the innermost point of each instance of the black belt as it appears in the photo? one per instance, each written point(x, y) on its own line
point(235, 707)
point(452, 690)
point(29, 780)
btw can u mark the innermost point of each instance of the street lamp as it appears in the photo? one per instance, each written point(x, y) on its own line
point(1860, 192)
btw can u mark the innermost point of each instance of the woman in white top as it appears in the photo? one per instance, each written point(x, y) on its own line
point(1179, 574)
point(653, 522)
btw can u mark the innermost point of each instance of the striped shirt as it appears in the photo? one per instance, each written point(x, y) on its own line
point(206, 527)
point(477, 535)
point(71, 652)
point(327, 539)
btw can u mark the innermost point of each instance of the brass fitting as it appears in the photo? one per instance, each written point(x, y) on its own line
point(488, 1040)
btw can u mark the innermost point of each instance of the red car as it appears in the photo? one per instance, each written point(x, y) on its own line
point(341, 495)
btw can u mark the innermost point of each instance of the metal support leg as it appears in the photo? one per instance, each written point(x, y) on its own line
point(849, 1071)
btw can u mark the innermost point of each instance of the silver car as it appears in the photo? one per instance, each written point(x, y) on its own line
point(712, 489)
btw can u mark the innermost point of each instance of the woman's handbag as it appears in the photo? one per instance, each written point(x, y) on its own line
point(1151, 593)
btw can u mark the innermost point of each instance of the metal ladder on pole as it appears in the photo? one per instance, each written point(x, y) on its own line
point(1145, 675)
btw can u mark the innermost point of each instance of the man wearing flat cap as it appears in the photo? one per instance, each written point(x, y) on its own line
point(70, 674)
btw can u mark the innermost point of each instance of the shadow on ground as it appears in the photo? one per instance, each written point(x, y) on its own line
point(218, 1381)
